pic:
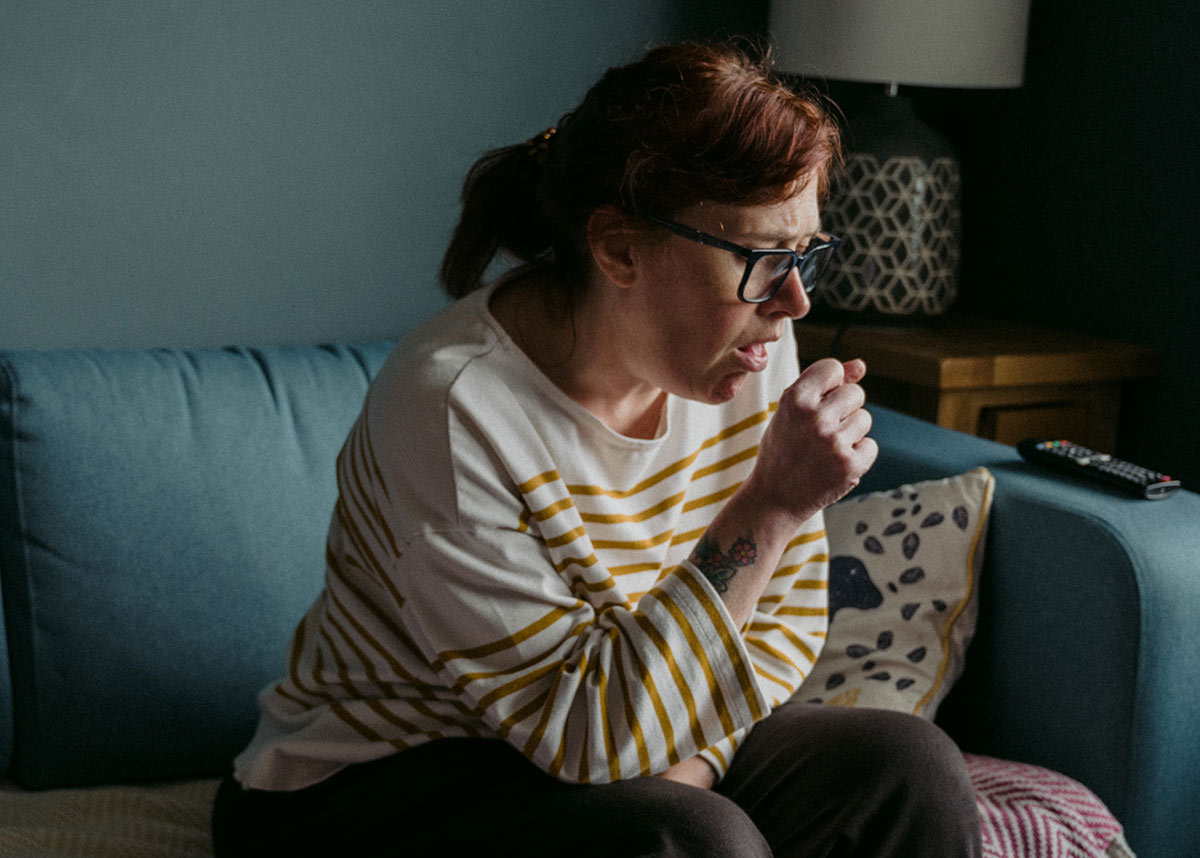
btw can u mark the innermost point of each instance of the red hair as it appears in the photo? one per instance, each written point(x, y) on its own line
point(686, 123)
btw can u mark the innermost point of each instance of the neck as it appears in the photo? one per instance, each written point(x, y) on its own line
point(580, 348)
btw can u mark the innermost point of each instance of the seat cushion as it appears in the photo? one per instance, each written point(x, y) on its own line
point(162, 517)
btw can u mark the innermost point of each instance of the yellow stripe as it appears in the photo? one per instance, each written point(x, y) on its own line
point(368, 604)
point(713, 498)
point(745, 680)
point(372, 674)
point(538, 481)
point(668, 657)
point(724, 464)
point(565, 538)
point(522, 681)
point(800, 584)
point(776, 654)
point(805, 538)
point(664, 721)
point(391, 717)
point(810, 584)
point(294, 662)
point(585, 562)
point(622, 518)
point(509, 642)
point(553, 510)
point(507, 725)
point(465, 679)
point(631, 568)
point(797, 611)
point(716, 752)
point(702, 658)
point(789, 633)
point(384, 652)
point(610, 747)
point(639, 738)
point(592, 586)
point(689, 537)
point(342, 672)
point(792, 568)
point(535, 737)
point(632, 545)
point(768, 676)
point(362, 458)
point(362, 729)
point(559, 756)
point(650, 512)
point(670, 470)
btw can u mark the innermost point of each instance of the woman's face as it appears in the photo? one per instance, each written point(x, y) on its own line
point(691, 335)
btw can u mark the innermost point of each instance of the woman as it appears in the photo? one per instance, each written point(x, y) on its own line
point(577, 565)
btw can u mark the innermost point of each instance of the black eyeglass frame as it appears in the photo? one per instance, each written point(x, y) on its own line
point(828, 244)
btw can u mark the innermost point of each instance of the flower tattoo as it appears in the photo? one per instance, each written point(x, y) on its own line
point(720, 568)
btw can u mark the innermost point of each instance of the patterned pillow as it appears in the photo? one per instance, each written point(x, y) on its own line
point(1026, 810)
point(903, 567)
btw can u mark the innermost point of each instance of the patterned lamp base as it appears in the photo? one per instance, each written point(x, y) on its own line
point(897, 211)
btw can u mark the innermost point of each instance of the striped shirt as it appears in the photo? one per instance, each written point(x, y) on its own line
point(501, 564)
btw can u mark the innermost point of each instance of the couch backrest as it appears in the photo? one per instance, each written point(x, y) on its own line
point(162, 520)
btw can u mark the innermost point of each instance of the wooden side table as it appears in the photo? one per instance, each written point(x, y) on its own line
point(999, 380)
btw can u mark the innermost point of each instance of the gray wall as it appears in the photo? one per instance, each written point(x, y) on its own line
point(248, 171)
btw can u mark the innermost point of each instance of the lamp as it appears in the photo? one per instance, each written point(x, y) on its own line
point(897, 205)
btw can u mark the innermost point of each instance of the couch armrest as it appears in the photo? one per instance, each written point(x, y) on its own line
point(1087, 657)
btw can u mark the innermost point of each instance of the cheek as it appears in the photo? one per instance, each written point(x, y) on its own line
point(692, 309)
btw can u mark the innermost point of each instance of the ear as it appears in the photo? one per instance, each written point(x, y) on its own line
point(616, 244)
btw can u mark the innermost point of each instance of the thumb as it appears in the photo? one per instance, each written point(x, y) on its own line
point(855, 370)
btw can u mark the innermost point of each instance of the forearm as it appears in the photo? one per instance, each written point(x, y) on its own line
point(741, 550)
point(813, 452)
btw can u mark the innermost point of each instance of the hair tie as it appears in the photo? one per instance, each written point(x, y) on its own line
point(538, 146)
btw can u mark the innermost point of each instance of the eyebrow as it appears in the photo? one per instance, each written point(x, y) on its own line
point(777, 240)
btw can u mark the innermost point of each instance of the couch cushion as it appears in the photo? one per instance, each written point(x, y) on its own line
point(904, 568)
point(162, 515)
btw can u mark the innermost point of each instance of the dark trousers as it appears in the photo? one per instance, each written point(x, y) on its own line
point(808, 781)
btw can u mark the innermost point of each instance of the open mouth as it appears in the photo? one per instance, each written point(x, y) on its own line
point(754, 355)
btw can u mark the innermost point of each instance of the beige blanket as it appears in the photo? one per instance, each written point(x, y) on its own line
point(156, 821)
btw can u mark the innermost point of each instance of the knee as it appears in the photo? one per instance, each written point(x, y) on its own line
point(923, 778)
point(686, 822)
point(911, 754)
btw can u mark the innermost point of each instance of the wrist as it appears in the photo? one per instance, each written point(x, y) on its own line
point(771, 519)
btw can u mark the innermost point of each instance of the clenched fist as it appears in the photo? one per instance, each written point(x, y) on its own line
point(816, 448)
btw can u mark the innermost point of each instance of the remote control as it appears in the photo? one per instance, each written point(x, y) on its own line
point(1073, 459)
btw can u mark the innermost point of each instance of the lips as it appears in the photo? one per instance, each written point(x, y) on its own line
point(754, 356)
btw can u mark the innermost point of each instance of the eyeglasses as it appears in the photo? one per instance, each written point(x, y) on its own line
point(760, 282)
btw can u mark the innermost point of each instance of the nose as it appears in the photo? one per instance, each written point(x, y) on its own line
point(791, 298)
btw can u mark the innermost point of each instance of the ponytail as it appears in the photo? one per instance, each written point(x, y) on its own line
point(501, 211)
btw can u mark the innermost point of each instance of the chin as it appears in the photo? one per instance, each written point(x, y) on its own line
point(725, 389)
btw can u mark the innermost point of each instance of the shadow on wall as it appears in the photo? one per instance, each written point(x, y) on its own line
point(200, 174)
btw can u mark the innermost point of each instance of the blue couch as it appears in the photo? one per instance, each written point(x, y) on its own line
point(162, 514)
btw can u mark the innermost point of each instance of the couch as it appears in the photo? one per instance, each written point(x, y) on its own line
point(162, 514)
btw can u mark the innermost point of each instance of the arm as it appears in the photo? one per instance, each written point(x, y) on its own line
point(814, 452)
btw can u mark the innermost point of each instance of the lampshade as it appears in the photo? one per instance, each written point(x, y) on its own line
point(896, 205)
point(951, 43)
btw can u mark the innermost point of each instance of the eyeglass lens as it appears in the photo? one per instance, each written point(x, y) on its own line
point(771, 269)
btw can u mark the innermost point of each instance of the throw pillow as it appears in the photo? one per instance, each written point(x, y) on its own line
point(1026, 810)
point(903, 568)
